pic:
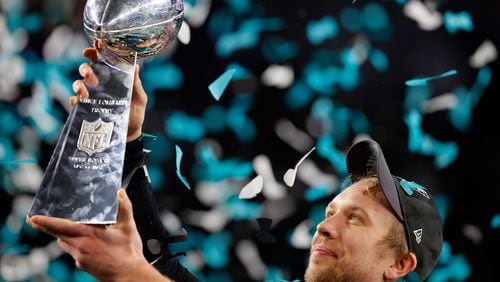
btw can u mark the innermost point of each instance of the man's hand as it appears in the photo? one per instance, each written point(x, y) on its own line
point(108, 254)
point(139, 97)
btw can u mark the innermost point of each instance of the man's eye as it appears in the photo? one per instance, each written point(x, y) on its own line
point(329, 214)
point(355, 217)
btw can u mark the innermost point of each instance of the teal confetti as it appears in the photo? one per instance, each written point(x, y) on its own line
point(240, 72)
point(350, 57)
point(326, 149)
point(216, 249)
point(375, 17)
point(178, 158)
point(461, 114)
point(239, 6)
point(214, 119)
point(412, 277)
point(316, 215)
point(147, 135)
point(379, 60)
point(218, 276)
point(160, 147)
point(58, 270)
point(239, 209)
point(458, 21)
point(156, 176)
point(238, 121)
point(410, 186)
point(273, 273)
point(7, 151)
point(322, 79)
point(322, 108)
point(82, 276)
point(161, 74)
point(259, 25)
point(446, 255)
point(219, 85)
point(247, 36)
point(495, 221)
point(32, 22)
point(350, 19)
point(360, 123)
point(221, 22)
point(298, 96)
point(322, 30)
point(278, 50)
point(423, 81)
point(225, 169)
point(180, 126)
point(457, 269)
point(445, 153)
point(17, 162)
point(443, 205)
point(9, 121)
point(315, 193)
point(416, 96)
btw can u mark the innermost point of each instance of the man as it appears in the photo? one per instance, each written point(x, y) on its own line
point(124, 251)
point(381, 228)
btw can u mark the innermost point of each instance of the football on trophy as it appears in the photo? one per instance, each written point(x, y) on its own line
point(122, 28)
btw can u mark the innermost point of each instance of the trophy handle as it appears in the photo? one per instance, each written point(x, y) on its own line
point(85, 171)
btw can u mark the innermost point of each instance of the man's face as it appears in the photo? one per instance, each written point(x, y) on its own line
point(347, 243)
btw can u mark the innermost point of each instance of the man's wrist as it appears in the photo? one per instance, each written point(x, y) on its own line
point(142, 271)
point(134, 136)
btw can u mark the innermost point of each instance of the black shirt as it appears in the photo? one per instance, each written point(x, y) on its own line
point(146, 215)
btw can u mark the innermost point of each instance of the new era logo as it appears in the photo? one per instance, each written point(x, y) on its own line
point(418, 235)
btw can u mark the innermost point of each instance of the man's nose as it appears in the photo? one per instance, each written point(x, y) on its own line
point(329, 228)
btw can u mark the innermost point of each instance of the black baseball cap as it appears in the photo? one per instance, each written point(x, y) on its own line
point(412, 204)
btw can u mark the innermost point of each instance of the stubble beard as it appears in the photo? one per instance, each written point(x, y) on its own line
point(333, 273)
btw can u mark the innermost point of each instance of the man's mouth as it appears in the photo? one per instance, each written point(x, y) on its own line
point(322, 251)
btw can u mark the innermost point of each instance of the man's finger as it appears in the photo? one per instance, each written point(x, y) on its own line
point(68, 248)
point(125, 213)
point(90, 53)
point(58, 226)
point(138, 93)
point(88, 75)
point(73, 100)
point(80, 89)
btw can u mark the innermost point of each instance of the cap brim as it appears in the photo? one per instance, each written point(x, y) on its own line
point(366, 156)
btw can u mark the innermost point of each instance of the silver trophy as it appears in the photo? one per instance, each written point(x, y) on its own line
point(85, 170)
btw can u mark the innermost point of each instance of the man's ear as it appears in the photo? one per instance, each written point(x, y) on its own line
point(401, 267)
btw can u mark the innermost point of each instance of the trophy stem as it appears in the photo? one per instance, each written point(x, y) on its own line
point(85, 169)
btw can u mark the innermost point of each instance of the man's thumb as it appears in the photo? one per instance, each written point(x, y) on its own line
point(125, 213)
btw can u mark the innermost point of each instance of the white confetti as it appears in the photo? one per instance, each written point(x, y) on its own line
point(184, 34)
point(312, 176)
point(253, 188)
point(289, 177)
point(443, 102)
point(426, 19)
point(272, 189)
point(300, 237)
point(248, 254)
point(277, 76)
point(485, 54)
point(297, 139)
point(473, 232)
point(212, 221)
point(197, 15)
